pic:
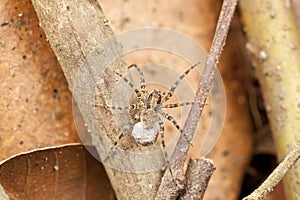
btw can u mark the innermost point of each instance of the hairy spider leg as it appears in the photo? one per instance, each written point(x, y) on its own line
point(173, 121)
point(141, 74)
point(142, 80)
point(130, 84)
point(161, 132)
point(138, 93)
point(175, 105)
point(174, 86)
point(115, 143)
point(133, 106)
point(162, 136)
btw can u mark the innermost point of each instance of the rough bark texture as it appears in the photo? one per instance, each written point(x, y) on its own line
point(74, 29)
point(273, 42)
point(198, 175)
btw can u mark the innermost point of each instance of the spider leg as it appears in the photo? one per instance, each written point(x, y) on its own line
point(138, 93)
point(175, 105)
point(142, 76)
point(161, 132)
point(174, 86)
point(115, 143)
point(114, 107)
point(162, 137)
point(112, 149)
point(173, 121)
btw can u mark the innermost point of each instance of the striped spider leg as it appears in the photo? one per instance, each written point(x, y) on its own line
point(175, 85)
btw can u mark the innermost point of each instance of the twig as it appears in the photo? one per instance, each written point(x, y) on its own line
point(178, 181)
point(191, 123)
point(207, 78)
point(276, 176)
point(198, 175)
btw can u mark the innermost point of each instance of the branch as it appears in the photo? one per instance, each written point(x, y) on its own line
point(274, 46)
point(172, 183)
point(198, 175)
point(276, 176)
point(75, 29)
point(191, 123)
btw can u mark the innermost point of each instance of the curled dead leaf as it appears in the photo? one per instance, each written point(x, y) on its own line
point(66, 172)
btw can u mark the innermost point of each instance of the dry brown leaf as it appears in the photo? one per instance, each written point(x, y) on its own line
point(67, 172)
point(35, 103)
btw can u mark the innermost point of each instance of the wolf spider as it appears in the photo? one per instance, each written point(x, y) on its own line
point(148, 110)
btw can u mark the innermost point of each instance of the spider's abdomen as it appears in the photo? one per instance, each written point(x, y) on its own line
point(144, 135)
